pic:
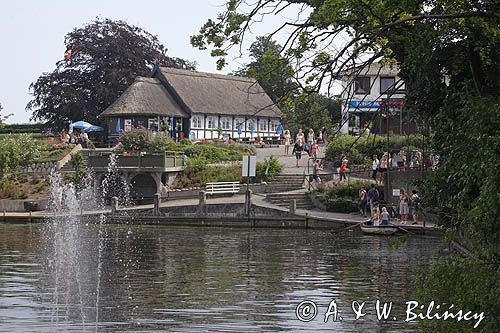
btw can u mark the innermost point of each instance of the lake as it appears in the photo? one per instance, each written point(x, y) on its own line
point(86, 278)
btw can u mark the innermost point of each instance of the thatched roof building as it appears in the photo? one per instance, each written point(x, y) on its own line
point(200, 103)
point(145, 97)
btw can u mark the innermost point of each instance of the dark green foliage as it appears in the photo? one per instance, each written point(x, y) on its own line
point(22, 128)
point(342, 198)
point(106, 57)
point(361, 150)
point(136, 140)
point(216, 153)
point(78, 175)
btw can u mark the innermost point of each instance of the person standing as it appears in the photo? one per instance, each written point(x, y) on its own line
point(300, 136)
point(384, 216)
point(404, 209)
point(415, 205)
point(373, 196)
point(297, 150)
point(363, 198)
point(375, 165)
point(383, 164)
point(287, 142)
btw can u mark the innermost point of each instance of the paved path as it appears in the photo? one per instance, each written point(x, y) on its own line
point(288, 161)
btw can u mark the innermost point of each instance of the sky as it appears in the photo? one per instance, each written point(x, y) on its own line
point(32, 37)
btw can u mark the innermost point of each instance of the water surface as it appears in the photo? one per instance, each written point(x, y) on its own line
point(156, 278)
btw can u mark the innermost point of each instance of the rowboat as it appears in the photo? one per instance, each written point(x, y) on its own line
point(378, 229)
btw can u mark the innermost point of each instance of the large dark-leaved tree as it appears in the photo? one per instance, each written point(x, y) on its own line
point(106, 56)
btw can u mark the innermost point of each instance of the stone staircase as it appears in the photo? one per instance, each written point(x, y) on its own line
point(285, 183)
point(283, 199)
point(69, 167)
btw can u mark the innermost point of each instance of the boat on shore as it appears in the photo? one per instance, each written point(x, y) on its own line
point(370, 228)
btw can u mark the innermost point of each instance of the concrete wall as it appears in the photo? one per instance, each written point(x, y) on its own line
point(18, 205)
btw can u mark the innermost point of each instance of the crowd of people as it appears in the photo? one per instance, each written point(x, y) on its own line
point(75, 137)
point(369, 201)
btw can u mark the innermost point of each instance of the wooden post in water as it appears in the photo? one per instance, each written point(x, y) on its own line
point(156, 204)
point(202, 203)
point(248, 202)
point(114, 205)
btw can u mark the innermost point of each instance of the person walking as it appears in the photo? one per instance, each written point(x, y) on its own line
point(343, 170)
point(287, 142)
point(315, 149)
point(375, 164)
point(300, 136)
point(310, 137)
point(404, 209)
point(297, 150)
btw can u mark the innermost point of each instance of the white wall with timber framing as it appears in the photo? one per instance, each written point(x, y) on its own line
point(205, 126)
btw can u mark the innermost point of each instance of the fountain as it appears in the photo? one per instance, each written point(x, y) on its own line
point(74, 247)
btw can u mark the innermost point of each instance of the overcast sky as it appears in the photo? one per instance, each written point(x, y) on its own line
point(32, 36)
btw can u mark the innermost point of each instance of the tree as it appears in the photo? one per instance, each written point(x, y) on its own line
point(105, 58)
point(448, 52)
point(276, 76)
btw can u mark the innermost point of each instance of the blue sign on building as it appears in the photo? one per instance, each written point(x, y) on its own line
point(355, 104)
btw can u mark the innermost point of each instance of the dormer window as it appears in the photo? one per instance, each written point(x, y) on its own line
point(387, 85)
point(362, 85)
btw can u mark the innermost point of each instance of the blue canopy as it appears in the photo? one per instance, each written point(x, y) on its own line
point(94, 128)
point(80, 125)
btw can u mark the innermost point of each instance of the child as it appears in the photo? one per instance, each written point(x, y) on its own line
point(376, 214)
point(315, 149)
point(384, 216)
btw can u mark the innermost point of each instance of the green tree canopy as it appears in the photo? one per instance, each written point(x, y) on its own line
point(448, 52)
point(106, 56)
point(277, 77)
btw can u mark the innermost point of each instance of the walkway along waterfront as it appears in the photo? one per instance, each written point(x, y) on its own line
point(219, 212)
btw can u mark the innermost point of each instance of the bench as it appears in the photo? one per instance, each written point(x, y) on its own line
point(222, 188)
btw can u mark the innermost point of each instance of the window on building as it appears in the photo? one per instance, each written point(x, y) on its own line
point(211, 123)
point(273, 124)
point(387, 84)
point(362, 85)
point(263, 125)
point(225, 124)
point(197, 122)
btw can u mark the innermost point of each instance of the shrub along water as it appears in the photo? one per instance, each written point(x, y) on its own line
point(342, 198)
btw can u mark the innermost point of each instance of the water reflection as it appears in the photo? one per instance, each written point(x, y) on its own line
point(195, 279)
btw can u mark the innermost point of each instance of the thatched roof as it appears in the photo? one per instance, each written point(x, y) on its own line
point(218, 94)
point(146, 96)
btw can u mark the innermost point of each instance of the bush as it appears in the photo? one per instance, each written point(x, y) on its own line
point(267, 169)
point(10, 190)
point(161, 143)
point(15, 150)
point(215, 153)
point(136, 140)
point(361, 150)
point(343, 198)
